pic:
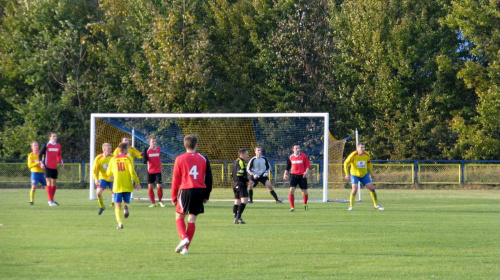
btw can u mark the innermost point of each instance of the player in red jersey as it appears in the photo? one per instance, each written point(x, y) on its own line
point(193, 176)
point(49, 156)
point(298, 166)
point(152, 157)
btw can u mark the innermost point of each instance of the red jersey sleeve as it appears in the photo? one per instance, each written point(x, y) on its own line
point(176, 181)
point(59, 154)
point(307, 164)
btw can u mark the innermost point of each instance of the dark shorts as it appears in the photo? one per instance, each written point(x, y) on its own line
point(154, 178)
point(298, 180)
point(190, 201)
point(38, 178)
point(240, 190)
point(262, 180)
point(50, 173)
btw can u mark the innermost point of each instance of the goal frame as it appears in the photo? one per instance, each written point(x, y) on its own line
point(93, 117)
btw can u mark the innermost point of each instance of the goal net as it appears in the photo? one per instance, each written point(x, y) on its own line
point(220, 138)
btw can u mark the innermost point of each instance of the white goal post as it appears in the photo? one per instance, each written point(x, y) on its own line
point(145, 116)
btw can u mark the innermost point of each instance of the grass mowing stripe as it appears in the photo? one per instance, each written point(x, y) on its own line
point(423, 234)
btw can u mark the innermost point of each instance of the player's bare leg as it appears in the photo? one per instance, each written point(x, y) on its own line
point(151, 195)
point(291, 199)
point(273, 193)
point(373, 194)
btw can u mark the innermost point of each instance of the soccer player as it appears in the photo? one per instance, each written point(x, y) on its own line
point(297, 168)
point(121, 171)
point(36, 170)
point(240, 178)
point(191, 187)
point(258, 167)
point(152, 157)
point(102, 181)
point(49, 157)
point(132, 152)
point(360, 168)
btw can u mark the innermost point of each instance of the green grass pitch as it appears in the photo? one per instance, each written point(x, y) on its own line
point(423, 234)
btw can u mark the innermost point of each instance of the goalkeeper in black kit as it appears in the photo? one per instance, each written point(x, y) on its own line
point(240, 178)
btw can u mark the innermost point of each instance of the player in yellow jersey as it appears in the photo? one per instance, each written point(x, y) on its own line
point(101, 179)
point(121, 171)
point(132, 152)
point(359, 168)
point(37, 175)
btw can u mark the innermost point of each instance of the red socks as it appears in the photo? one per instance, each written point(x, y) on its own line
point(190, 232)
point(305, 198)
point(181, 228)
point(291, 198)
point(152, 195)
point(160, 194)
point(51, 191)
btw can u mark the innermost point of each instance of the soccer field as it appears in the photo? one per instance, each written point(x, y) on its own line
point(423, 234)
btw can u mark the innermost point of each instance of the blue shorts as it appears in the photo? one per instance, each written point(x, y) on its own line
point(103, 184)
point(38, 178)
point(365, 180)
point(122, 197)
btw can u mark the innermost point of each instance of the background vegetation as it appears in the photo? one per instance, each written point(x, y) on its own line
point(420, 79)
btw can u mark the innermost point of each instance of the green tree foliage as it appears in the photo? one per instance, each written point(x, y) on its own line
point(391, 80)
point(477, 24)
point(419, 79)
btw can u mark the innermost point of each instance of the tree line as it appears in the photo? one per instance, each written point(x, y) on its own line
point(419, 79)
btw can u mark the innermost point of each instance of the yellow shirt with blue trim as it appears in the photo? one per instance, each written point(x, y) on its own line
point(101, 163)
point(132, 152)
point(122, 170)
point(34, 163)
point(358, 165)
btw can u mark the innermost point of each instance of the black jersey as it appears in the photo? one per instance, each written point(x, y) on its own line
point(239, 171)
